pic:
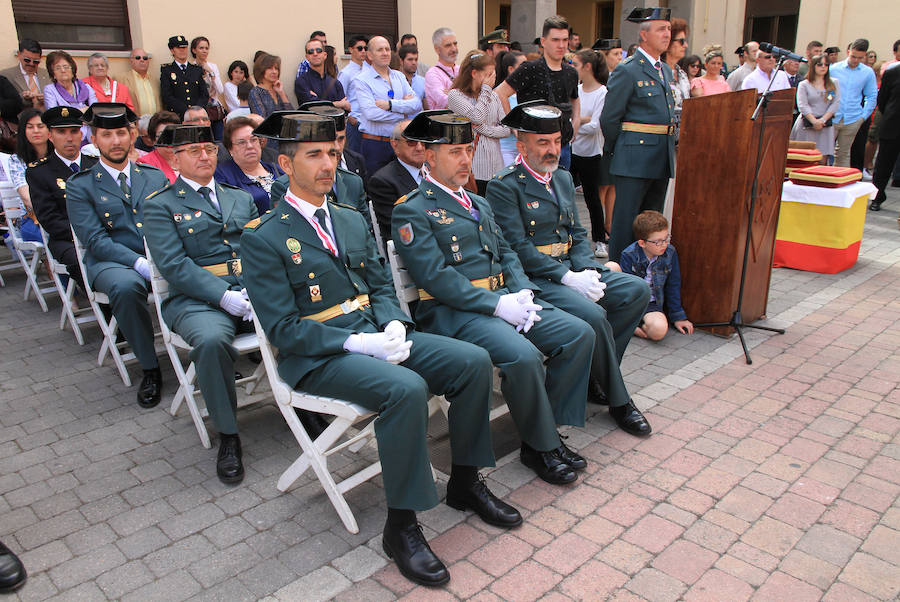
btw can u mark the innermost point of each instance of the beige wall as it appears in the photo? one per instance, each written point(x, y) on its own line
point(422, 17)
point(717, 22)
point(838, 22)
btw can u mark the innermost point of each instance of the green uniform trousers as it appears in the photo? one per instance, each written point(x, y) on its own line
point(633, 195)
point(399, 393)
point(210, 332)
point(540, 392)
point(127, 291)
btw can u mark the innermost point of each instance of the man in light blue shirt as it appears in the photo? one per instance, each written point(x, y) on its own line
point(858, 97)
point(357, 48)
point(383, 98)
point(409, 63)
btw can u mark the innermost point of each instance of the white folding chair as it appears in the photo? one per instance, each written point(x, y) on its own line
point(407, 292)
point(76, 316)
point(187, 376)
point(377, 231)
point(11, 263)
point(12, 210)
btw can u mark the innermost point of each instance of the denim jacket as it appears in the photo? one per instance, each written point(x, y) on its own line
point(665, 277)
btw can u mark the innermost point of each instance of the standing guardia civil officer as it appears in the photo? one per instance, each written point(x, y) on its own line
point(638, 123)
point(534, 203)
point(106, 208)
point(193, 230)
point(473, 288)
point(327, 303)
point(181, 83)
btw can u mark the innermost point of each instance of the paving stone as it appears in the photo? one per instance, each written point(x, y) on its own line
point(654, 585)
point(321, 584)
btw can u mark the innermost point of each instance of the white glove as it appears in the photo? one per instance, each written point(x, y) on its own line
point(518, 309)
point(234, 303)
point(396, 330)
point(587, 283)
point(142, 267)
point(390, 347)
point(249, 315)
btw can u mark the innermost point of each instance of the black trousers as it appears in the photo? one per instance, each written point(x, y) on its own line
point(885, 161)
point(588, 170)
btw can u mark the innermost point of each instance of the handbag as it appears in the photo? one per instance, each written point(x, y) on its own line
point(471, 185)
point(808, 124)
point(8, 133)
point(215, 110)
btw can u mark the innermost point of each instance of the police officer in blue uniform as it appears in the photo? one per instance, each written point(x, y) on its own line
point(638, 122)
point(534, 203)
point(472, 287)
point(327, 303)
point(181, 83)
point(106, 208)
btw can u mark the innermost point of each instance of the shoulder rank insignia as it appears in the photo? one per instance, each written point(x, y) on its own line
point(99, 175)
point(401, 200)
point(252, 223)
point(406, 233)
point(284, 216)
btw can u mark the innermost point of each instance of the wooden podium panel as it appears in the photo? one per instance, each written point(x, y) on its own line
point(717, 154)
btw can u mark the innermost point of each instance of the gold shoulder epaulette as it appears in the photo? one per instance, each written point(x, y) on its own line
point(401, 200)
point(252, 223)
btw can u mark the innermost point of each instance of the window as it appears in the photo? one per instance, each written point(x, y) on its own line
point(773, 21)
point(606, 21)
point(74, 24)
point(370, 18)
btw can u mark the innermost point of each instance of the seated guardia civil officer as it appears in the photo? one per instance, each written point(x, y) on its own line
point(473, 288)
point(534, 203)
point(328, 305)
point(193, 230)
point(105, 206)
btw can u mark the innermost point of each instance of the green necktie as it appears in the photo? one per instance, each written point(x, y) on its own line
point(123, 184)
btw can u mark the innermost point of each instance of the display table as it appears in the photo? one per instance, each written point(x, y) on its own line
point(819, 229)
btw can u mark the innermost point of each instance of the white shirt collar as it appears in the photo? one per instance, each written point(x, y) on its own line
point(114, 173)
point(646, 54)
point(415, 172)
point(457, 192)
point(68, 162)
point(196, 186)
point(306, 209)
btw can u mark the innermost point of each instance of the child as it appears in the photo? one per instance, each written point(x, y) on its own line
point(243, 94)
point(652, 258)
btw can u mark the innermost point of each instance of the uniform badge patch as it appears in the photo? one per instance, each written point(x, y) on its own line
point(61, 183)
point(64, 112)
point(176, 217)
point(444, 220)
point(457, 257)
point(198, 213)
point(533, 204)
point(433, 214)
point(315, 293)
point(454, 247)
point(293, 245)
point(296, 258)
point(187, 217)
point(406, 233)
point(174, 77)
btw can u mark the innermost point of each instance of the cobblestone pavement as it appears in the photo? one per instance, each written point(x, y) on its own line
point(776, 481)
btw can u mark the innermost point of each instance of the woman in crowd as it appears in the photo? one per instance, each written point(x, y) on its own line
point(32, 143)
point(200, 52)
point(473, 96)
point(245, 170)
point(691, 65)
point(331, 67)
point(681, 86)
point(587, 148)
point(613, 57)
point(507, 63)
point(711, 82)
point(871, 58)
point(105, 88)
point(269, 94)
point(66, 89)
point(237, 72)
point(818, 98)
point(161, 157)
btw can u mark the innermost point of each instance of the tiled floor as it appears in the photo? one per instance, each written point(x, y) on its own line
point(775, 481)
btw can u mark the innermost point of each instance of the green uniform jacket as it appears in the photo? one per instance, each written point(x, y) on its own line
point(530, 216)
point(444, 248)
point(636, 93)
point(289, 274)
point(350, 191)
point(108, 224)
point(184, 232)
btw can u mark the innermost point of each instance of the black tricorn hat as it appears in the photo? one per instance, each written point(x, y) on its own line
point(109, 115)
point(440, 126)
point(177, 41)
point(326, 108)
point(607, 44)
point(536, 116)
point(832, 50)
point(297, 126)
point(740, 51)
point(179, 135)
point(62, 117)
point(639, 15)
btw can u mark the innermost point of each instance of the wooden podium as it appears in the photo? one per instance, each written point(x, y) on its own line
point(717, 154)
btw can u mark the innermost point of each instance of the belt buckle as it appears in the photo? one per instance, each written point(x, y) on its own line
point(493, 282)
point(671, 131)
point(556, 249)
point(234, 267)
point(350, 305)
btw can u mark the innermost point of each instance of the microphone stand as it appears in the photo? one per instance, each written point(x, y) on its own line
point(737, 318)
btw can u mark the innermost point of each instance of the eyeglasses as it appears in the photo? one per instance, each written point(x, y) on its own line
point(29, 61)
point(63, 67)
point(659, 243)
point(413, 143)
point(315, 51)
point(682, 41)
point(194, 152)
point(246, 142)
point(141, 58)
point(360, 48)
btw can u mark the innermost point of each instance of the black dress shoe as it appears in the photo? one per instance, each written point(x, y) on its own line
point(12, 571)
point(477, 497)
point(895, 183)
point(630, 419)
point(228, 465)
point(596, 394)
point(574, 460)
point(548, 465)
point(407, 547)
point(875, 205)
point(314, 423)
point(150, 389)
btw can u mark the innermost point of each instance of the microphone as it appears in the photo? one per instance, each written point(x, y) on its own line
point(781, 52)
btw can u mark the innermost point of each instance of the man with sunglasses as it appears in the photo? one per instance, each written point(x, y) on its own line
point(315, 83)
point(193, 229)
point(764, 73)
point(26, 77)
point(144, 88)
point(357, 48)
